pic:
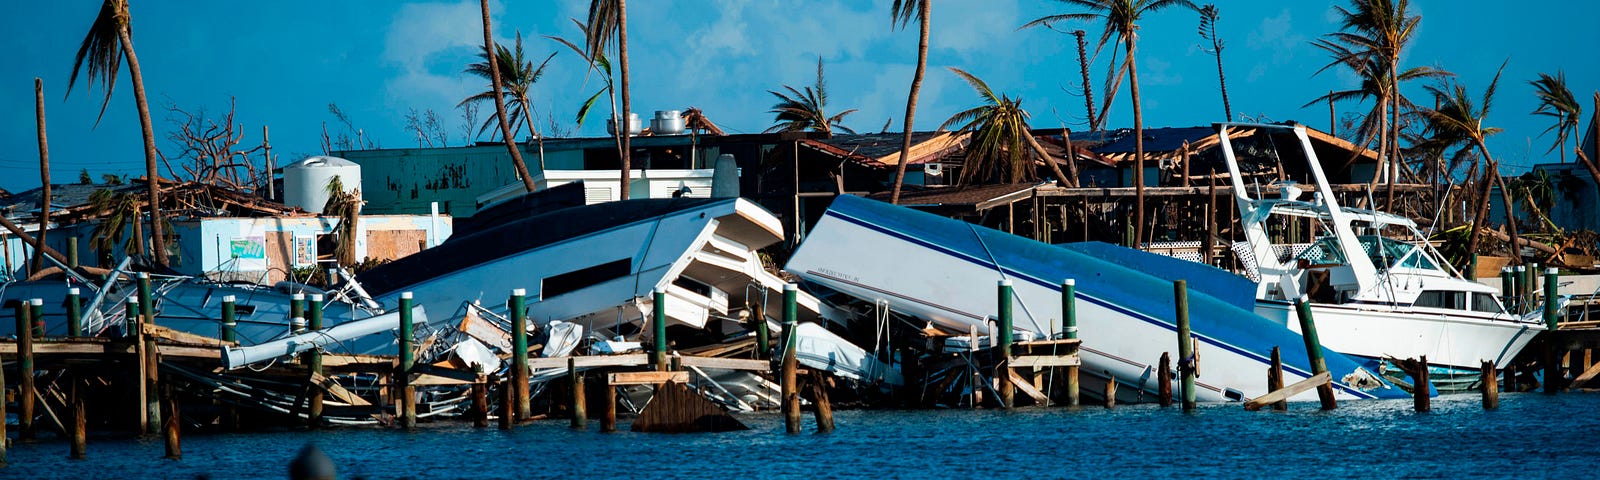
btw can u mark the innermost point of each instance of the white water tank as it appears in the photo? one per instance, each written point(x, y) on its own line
point(634, 126)
point(305, 183)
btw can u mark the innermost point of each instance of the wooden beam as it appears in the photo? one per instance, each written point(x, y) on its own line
point(647, 378)
point(337, 391)
point(627, 360)
point(727, 363)
point(1289, 391)
point(1587, 375)
point(1039, 398)
point(1068, 360)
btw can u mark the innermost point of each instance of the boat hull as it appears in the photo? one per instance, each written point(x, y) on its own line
point(1458, 341)
point(945, 271)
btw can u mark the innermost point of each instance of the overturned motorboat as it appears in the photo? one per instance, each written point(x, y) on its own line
point(944, 271)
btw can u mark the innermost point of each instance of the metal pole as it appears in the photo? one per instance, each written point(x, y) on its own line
point(519, 353)
point(658, 327)
point(1180, 292)
point(74, 313)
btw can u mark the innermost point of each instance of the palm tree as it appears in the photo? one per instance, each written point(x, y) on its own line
point(1121, 17)
point(1208, 31)
point(1459, 116)
point(116, 211)
point(805, 110)
point(1002, 147)
point(44, 174)
point(1375, 84)
point(108, 42)
point(517, 75)
point(900, 13)
point(1376, 31)
point(1557, 102)
point(500, 103)
point(608, 18)
point(599, 63)
point(346, 205)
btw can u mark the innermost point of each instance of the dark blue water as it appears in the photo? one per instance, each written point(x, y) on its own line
point(1531, 435)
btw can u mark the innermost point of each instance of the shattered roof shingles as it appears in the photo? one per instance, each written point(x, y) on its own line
point(971, 195)
point(61, 195)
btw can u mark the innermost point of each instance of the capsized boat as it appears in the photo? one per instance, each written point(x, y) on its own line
point(945, 272)
point(1373, 295)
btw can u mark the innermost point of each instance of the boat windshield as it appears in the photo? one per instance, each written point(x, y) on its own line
point(1391, 253)
point(1384, 253)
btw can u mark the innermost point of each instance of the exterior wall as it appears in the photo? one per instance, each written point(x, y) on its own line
point(406, 181)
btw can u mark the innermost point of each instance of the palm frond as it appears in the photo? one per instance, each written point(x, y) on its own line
point(101, 52)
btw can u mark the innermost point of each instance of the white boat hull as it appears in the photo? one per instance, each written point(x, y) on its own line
point(1454, 340)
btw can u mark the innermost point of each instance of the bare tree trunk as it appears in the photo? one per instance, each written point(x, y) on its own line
point(626, 125)
point(500, 101)
point(158, 239)
point(1227, 109)
point(1138, 148)
point(1061, 178)
point(911, 102)
point(1088, 91)
point(44, 176)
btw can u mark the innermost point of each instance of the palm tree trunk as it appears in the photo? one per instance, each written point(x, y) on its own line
point(624, 129)
point(1222, 80)
point(527, 114)
point(157, 230)
point(44, 175)
point(1138, 148)
point(911, 101)
point(1062, 179)
point(500, 101)
point(1505, 199)
point(1088, 91)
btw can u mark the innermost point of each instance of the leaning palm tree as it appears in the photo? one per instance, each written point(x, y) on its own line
point(117, 211)
point(1375, 84)
point(1458, 115)
point(1376, 31)
point(1208, 31)
point(598, 63)
point(1002, 147)
point(44, 175)
point(1122, 17)
point(108, 42)
point(805, 110)
point(608, 18)
point(901, 12)
point(1557, 102)
point(495, 78)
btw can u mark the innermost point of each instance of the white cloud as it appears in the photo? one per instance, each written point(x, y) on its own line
point(428, 43)
point(1278, 36)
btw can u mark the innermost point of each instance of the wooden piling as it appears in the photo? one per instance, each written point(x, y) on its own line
point(1003, 366)
point(152, 355)
point(819, 395)
point(1186, 358)
point(408, 404)
point(480, 403)
point(658, 326)
point(314, 361)
point(230, 324)
point(1069, 329)
point(136, 332)
point(508, 400)
point(1552, 318)
point(1275, 379)
point(1111, 391)
point(80, 435)
point(1164, 379)
point(1487, 383)
point(169, 430)
point(25, 387)
point(608, 416)
point(763, 332)
point(72, 252)
point(74, 313)
point(517, 305)
point(580, 414)
point(1421, 388)
point(791, 395)
point(36, 320)
point(4, 439)
point(1308, 331)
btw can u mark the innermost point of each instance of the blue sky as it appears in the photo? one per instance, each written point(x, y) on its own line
point(285, 61)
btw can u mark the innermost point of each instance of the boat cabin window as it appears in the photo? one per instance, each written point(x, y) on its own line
point(1325, 251)
point(1395, 254)
point(1442, 299)
point(584, 277)
point(1481, 302)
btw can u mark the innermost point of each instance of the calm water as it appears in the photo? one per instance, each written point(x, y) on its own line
point(1531, 435)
